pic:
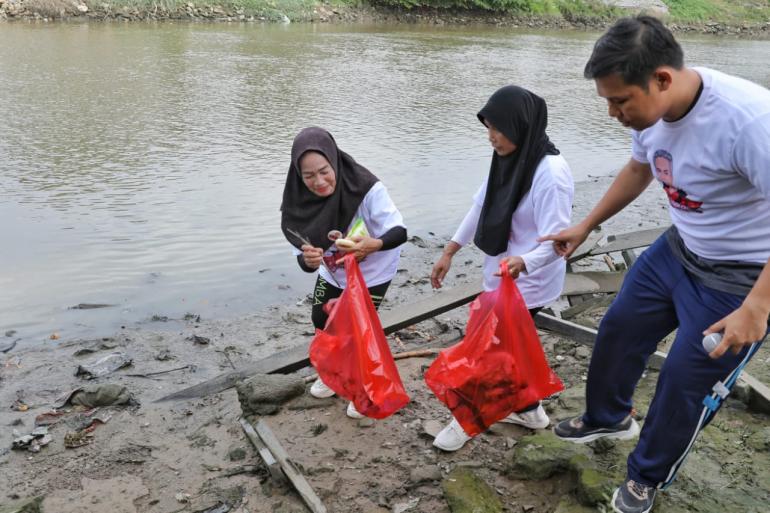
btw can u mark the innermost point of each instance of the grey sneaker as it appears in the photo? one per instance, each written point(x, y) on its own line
point(633, 497)
point(575, 430)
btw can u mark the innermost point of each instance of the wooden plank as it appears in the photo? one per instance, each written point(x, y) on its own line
point(592, 282)
point(296, 358)
point(289, 468)
point(267, 457)
point(759, 397)
point(631, 240)
point(594, 302)
point(585, 249)
point(407, 315)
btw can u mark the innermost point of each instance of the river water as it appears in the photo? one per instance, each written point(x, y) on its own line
point(142, 165)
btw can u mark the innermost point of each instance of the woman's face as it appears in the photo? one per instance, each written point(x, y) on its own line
point(317, 174)
point(501, 144)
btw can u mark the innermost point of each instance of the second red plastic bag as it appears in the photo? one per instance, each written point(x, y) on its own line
point(351, 354)
point(498, 368)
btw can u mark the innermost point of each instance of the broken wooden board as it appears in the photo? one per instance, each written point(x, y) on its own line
point(585, 249)
point(592, 282)
point(289, 468)
point(296, 358)
point(759, 395)
point(273, 467)
point(630, 240)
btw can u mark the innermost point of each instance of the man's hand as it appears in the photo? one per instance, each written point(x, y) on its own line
point(568, 240)
point(364, 246)
point(515, 266)
point(312, 256)
point(743, 327)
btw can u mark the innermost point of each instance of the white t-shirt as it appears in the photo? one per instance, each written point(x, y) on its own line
point(545, 209)
point(714, 165)
point(380, 215)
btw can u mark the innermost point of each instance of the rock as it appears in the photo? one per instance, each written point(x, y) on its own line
point(542, 455)
point(24, 506)
point(583, 352)
point(465, 492)
point(423, 474)
point(569, 506)
point(760, 441)
point(236, 454)
point(406, 506)
point(593, 486)
point(263, 394)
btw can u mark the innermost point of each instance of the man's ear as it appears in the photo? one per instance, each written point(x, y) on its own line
point(662, 78)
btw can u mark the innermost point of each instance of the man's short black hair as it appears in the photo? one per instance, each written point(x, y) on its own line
point(635, 48)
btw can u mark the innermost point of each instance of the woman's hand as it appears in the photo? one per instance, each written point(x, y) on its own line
point(312, 256)
point(444, 263)
point(440, 269)
point(515, 265)
point(364, 247)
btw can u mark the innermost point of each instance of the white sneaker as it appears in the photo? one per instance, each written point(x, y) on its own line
point(452, 437)
point(533, 419)
point(320, 390)
point(353, 413)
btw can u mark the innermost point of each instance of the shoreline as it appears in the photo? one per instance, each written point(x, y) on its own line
point(79, 11)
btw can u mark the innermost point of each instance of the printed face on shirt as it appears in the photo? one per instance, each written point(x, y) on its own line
point(317, 174)
point(501, 144)
point(632, 105)
point(664, 170)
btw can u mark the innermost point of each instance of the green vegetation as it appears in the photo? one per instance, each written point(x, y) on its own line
point(537, 7)
point(730, 11)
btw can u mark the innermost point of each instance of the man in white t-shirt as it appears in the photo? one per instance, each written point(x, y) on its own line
point(704, 137)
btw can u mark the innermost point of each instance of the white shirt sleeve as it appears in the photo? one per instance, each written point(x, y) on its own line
point(751, 154)
point(553, 209)
point(638, 151)
point(467, 229)
point(381, 212)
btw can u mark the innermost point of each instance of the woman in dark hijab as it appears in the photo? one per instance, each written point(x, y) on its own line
point(328, 194)
point(527, 193)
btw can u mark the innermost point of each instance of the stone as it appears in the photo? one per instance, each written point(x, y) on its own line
point(237, 454)
point(760, 441)
point(542, 455)
point(33, 505)
point(465, 492)
point(263, 394)
point(423, 474)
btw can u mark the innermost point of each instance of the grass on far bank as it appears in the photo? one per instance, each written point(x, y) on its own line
point(731, 11)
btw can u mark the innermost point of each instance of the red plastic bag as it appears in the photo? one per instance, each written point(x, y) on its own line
point(351, 353)
point(498, 368)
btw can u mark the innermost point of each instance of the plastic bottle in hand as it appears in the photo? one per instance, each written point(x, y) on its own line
point(711, 341)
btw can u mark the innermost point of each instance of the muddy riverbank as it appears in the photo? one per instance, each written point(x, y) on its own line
point(192, 455)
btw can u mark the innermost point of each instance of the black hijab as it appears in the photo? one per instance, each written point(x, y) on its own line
point(313, 216)
point(521, 116)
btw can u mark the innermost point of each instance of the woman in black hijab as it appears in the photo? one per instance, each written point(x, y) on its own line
point(328, 193)
point(527, 193)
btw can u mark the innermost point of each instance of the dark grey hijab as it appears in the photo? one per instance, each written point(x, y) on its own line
point(313, 216)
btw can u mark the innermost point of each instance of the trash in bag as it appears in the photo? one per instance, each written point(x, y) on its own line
point(499, 367)
point(352, 355)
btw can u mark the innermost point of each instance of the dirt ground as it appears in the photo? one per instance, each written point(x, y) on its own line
point(193, 456)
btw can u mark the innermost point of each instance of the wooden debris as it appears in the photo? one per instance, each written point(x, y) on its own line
point(267, 457)
point(289, 468)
